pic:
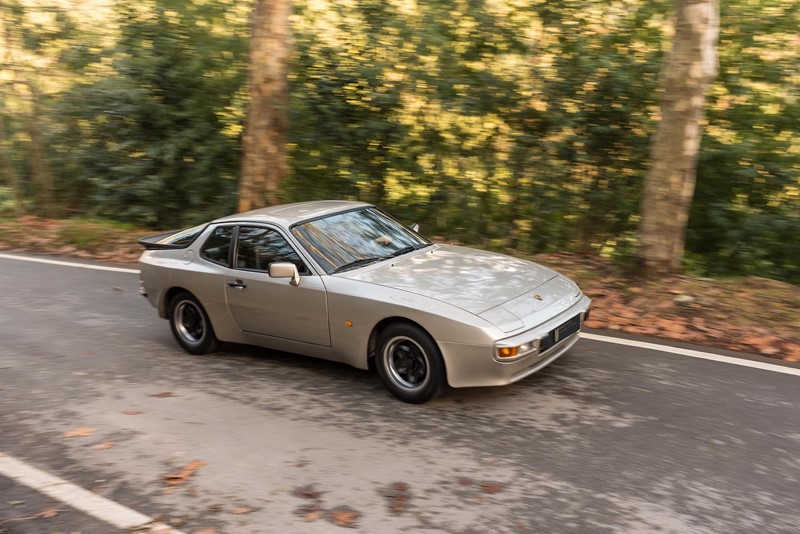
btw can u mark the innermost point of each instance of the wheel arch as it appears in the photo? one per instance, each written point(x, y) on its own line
point(163, 306)
point(382, 324)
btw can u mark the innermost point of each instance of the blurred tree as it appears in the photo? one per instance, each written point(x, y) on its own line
point(670, 182)
point(153, 129)
point(25, 34)
point(745, 215)
point(519, 125)
point(9, 173)
point(265, 162)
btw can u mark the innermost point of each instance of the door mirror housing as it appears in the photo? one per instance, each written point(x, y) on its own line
point(285, 270)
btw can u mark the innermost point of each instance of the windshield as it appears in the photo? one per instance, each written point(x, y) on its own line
point(356, 238)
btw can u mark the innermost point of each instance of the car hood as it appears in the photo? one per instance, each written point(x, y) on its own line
point(496, 287)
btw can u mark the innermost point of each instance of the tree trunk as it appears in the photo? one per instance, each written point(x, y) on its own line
point(42, 176)
point(265, 160)
point(669, 185)
point(9, 175)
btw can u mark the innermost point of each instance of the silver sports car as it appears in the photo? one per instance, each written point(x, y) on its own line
point(345, 281)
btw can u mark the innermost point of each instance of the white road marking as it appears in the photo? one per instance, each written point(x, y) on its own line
point(586, 335)
point(96, 506)
point(693, 354)
point(70, 264)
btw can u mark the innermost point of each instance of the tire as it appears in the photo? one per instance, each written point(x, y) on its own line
point(190, 324)
point(409, 363)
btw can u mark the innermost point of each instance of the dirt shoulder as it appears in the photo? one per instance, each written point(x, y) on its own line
point(750, 314)
point(747, 314)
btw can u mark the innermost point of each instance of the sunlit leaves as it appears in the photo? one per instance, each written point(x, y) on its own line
point(509, 123)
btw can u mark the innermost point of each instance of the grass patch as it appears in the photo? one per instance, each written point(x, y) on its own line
point(92, 234)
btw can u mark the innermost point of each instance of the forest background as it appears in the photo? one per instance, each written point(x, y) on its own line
point(520, 126)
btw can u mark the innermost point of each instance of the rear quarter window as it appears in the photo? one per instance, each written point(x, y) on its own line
point(218, 245)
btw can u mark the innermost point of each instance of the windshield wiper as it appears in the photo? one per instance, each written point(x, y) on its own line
point(358, 263)
point(372, 259)
point(405, 250)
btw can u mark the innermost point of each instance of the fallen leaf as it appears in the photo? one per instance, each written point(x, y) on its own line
point(79, 373)
point(173, 479)
point(163, 395)
point(312, 516)
point(398, 497)
point(397, 506)
point(307, 492)
point(104, 446)
point(345, 517)
point(242, 510)
point(79, 432)
point(48, 513)
point(133, 412)
point(492, 487)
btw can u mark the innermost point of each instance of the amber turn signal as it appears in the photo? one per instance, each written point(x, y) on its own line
point(507, 352)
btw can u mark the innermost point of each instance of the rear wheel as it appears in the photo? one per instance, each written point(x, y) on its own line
point(190, 324)
point(409, 363)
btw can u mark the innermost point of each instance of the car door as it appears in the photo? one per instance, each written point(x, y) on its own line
point(272, 306)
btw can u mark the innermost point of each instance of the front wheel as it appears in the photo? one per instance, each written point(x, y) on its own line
point(190, 324)
point(409, 363)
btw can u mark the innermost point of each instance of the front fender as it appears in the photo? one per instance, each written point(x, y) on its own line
point(357, 307)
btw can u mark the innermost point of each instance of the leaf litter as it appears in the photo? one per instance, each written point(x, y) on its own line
point(79, 432)
point(182, 476)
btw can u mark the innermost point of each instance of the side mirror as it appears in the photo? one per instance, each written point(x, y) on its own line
point(285, 270)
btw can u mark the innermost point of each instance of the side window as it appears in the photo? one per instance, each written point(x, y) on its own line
point(258, 247)
point(218, 245)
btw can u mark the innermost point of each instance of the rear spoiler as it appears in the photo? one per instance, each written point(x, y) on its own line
point(151, 242)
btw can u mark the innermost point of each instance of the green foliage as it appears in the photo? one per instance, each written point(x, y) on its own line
point(513, 125)
point(8, 205)
point(745, 217)
point(522, 127)
point(151, 141)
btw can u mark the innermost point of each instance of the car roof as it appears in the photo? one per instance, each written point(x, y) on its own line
point(289, 214)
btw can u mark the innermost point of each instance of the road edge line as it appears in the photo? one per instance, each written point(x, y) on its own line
point(693, 353)
point(90, 503)
point(69, 264)
point(586, 335)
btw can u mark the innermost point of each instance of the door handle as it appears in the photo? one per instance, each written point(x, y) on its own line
point(237, 284)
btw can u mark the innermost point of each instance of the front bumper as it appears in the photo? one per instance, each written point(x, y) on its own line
point(474, 365)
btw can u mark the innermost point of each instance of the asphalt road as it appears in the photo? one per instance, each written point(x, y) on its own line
point(609, 439)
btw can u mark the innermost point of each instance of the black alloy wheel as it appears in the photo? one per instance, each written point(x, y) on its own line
point(190, 324)
point(409, 363)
